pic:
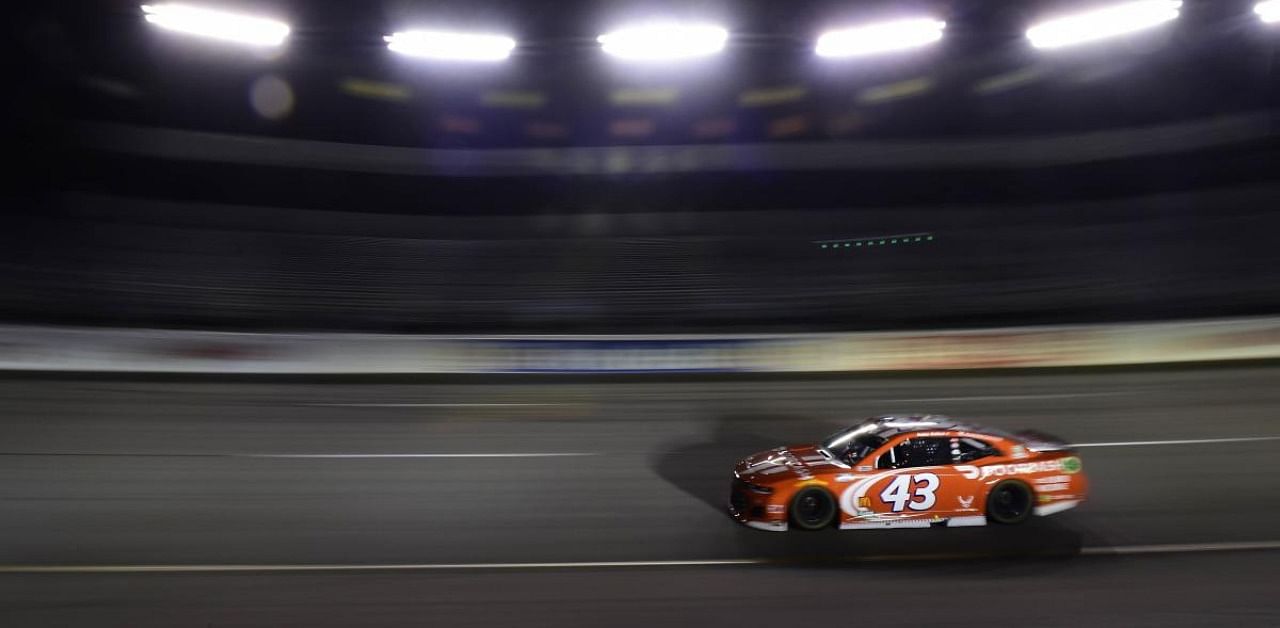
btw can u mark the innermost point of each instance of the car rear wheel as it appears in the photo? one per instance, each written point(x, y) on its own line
point(1010, 502)
point(813, 509)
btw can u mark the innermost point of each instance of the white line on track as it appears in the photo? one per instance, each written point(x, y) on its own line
point(1005, 397)
point(370, 567)
point(434, 404)
point(476, 455)
point(1188, 441)
point(1181, 548)
point(1119, 550)
point(518, 454)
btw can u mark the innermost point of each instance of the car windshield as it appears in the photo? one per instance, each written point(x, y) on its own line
point(853, 444)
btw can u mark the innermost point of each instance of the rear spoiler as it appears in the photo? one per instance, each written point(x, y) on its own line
point(1039, 441)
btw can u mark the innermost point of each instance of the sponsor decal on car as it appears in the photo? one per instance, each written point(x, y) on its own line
point(965, 502)
point(1052, 479)
point(1071, 465)
point(999, 470)
point(1053, 483)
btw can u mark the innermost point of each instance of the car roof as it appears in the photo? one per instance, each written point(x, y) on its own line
point(894, 424)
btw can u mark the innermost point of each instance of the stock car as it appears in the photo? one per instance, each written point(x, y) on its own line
point(913, 471)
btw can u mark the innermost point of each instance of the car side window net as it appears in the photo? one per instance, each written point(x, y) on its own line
point(916, 452)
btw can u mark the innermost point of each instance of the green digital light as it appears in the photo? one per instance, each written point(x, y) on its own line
point(869, 242)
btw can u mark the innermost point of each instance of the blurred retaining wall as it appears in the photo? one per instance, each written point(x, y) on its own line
point(155, 351)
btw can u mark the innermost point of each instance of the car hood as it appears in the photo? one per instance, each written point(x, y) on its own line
point(784, 463)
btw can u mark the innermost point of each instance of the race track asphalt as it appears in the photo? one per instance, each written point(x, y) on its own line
point(110, 473)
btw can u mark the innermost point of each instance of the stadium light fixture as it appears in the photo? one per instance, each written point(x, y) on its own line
point(878, 38)
point(217, 24)
point(664, 41)
point(1103, 23)
point(1269, 11)
point(451, 46)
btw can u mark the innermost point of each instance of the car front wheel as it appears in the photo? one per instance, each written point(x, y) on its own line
point(813, 509)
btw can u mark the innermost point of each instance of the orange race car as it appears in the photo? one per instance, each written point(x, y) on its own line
point(907, 472)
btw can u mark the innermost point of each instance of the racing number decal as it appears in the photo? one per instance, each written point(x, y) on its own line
point(898, 492)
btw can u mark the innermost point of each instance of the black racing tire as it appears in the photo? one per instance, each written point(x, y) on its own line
point(813, 508)
point(1010, 502)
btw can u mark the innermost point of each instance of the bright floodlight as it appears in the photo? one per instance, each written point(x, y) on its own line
point(215, 24)
point(1103, 23)
point(663, 41)
point(877, 38)
point(1268, 11)
point(451, 46)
